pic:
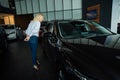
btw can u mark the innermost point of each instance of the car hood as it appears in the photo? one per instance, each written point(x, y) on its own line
point(9, 31)
point(96, 56)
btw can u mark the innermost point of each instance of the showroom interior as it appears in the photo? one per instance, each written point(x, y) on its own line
point(15, 61)
point(59, 10)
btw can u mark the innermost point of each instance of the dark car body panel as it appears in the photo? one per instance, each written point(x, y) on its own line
point(93, 57)
point(97, 61)
point(3, 39)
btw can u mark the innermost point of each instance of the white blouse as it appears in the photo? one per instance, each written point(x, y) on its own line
point(33, 28)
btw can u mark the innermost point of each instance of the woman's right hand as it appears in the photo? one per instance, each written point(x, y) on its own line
point(27, 38)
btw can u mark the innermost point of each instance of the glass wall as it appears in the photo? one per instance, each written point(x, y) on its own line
point(51, 9)
point(4, 3)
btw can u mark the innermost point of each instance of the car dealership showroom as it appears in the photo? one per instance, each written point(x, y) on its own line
point(60, 39)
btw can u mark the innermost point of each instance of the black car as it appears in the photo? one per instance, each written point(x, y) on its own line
point(3, 39)
point(82, 50)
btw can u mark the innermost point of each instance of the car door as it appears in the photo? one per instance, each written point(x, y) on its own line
point(49, 43)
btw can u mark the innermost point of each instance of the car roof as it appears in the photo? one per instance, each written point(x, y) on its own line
point(69, 21)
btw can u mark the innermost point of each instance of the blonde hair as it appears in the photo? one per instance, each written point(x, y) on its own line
point(37, 17)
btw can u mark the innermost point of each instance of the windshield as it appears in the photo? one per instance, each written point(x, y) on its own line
point(79, 29)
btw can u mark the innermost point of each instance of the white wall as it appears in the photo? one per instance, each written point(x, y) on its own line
point(4, 3)
point(115, 15)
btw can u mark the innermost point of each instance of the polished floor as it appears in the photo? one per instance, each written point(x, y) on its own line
point(16, 64)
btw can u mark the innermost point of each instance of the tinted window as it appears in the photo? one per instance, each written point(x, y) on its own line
point(82, 29)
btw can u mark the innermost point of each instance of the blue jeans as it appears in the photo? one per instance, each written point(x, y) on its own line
point(33, 44)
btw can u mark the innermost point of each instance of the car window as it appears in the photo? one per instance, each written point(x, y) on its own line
point(101, 29)
point(68, 30)
point(82, 29)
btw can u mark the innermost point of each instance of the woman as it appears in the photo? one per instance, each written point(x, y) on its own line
point(32, 34)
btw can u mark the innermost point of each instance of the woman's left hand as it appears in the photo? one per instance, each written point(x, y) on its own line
point(27, 38)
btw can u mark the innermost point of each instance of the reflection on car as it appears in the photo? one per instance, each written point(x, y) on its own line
point(42, 30)
point(3, 39)
point(10, 31)
point(82, 50)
